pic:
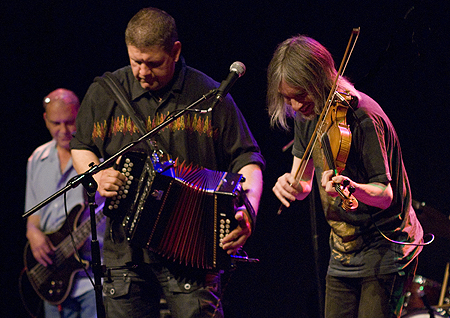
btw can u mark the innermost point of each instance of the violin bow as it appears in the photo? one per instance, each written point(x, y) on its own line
point(312, 142)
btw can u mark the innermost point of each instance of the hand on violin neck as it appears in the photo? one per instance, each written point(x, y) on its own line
point(330, 180)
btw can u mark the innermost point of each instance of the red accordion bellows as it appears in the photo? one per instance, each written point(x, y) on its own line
point(181, 215)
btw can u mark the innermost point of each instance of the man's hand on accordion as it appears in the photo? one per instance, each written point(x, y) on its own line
point(237, 238)
point(109, 182)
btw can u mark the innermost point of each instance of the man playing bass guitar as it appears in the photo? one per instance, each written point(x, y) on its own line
point(49, 168)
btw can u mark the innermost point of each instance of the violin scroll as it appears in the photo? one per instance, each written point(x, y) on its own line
point(348, 202)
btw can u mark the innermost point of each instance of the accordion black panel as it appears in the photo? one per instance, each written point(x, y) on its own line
point(181, 214)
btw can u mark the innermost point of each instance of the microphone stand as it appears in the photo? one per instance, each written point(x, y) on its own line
point(90, 185)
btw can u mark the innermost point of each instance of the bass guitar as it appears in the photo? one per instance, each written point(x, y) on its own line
point(54, 282)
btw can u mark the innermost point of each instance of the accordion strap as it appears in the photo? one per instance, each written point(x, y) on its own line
point(115, 89)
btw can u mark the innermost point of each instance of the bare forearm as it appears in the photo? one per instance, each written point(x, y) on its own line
point(304, 180)
point(82, 158)
point(253, 184)
point(253, 187)
point(374, 194)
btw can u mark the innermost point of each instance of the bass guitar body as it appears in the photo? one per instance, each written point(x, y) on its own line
point(54, 282)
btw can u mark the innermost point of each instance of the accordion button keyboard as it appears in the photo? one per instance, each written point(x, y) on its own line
point(224, 229)
point(123, 190)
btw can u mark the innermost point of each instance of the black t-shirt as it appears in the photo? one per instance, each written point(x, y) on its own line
point(357, 248)
point(219, 140)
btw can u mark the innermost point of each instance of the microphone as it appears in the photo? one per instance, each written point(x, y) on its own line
point(237, 69)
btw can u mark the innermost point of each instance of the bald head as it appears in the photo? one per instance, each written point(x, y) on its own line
point(62, 95)
point(61, 109)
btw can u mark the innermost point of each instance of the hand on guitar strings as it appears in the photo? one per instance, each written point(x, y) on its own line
point(41, 246)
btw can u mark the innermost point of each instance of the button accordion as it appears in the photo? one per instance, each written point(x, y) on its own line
point(181, 213)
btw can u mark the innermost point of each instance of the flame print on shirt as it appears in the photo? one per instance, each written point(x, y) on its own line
point(125, 125)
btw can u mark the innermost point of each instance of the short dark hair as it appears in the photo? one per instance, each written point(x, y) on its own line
point(150, 27)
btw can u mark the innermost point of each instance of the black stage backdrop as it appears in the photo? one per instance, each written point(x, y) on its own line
point(401, 59)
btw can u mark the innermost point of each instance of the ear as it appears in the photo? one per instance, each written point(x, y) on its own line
point(176, 51)
point(47, 123)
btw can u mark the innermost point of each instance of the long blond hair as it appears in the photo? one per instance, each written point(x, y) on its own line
point(301, 62)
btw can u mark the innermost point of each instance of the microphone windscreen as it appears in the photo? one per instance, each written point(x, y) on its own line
point(238, 67)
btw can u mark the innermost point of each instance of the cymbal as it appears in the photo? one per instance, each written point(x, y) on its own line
point(432, 220)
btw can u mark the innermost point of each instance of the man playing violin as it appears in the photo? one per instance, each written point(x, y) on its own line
point(374, 244)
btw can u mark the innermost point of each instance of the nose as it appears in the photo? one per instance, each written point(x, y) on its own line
point(144, 70)
point(293, 103)
point(66, 128)
point(288, 101)
point(63, 128)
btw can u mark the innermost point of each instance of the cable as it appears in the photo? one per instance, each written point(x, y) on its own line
point(402, 243)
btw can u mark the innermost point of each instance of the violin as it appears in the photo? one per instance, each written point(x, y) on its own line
point(334, 133)
point(335, 141)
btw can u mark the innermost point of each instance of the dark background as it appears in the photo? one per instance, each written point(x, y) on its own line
point(401, 59)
